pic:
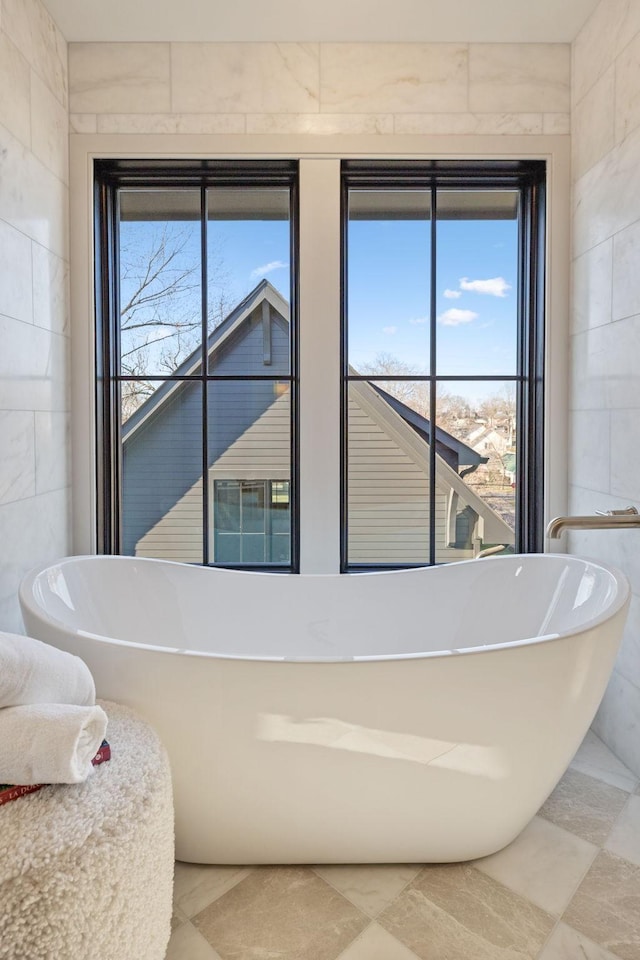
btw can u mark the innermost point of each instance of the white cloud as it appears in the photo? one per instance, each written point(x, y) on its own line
point(268, 268)
point(389, 330)
point(452, 294)
point(419, 320)
point(454, 317)
point(495, 286)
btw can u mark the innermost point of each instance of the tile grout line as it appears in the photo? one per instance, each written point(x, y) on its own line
point(581, 880)
point(347, 897)
point(548, 939)
point(214, 899)
point(627, 804)
point(359, 937)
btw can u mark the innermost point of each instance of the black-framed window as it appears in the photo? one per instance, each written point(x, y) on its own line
point(442, 360)
point(196, 360)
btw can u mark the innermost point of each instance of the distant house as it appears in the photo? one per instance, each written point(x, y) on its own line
point(490, 439)
point(248, 462)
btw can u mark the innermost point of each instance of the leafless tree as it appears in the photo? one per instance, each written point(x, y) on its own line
point(414, 393)
point(453, 411)
point(161, 312)
point(451, 408)
point(500, 407)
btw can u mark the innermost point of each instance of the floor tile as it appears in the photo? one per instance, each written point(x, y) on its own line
point(567, 944)
point(284, 912)
point(606, 907)
point(177, 918)
point(584, 806)
point(376, 944)
point(624, 839)
point(454, 912)
point(545, 864)
point(503, 907)
point(595, 759)
point(371, 888)
point(187, 944)
point(195, 885)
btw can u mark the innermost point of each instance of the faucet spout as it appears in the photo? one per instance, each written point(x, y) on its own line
point(607, 521)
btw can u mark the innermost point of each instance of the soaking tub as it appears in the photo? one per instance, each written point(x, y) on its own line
point(420, 715)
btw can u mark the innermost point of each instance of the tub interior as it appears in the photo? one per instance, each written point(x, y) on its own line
point(230, 613)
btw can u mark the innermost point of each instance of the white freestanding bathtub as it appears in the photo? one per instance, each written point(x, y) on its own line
point(421, 715)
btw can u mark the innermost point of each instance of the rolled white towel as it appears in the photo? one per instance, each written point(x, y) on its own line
point(36, 672)
point(49, 742)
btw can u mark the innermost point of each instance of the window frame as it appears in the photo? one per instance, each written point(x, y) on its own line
point(529, 177)
point(267, 485)
point(319, 159)
point(109, 176)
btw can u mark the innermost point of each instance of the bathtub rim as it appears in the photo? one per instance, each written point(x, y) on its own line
point(28, 600)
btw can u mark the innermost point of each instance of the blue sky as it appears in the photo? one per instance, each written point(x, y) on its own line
point(251, 251)
point(476, 306)
point(389, 286)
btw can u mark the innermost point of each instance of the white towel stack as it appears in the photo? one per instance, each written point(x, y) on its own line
point(50, 726)
point(36, 672)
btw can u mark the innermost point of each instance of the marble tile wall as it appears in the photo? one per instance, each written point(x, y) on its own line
point(605, 324)
point(34, 300)
point(319, 88)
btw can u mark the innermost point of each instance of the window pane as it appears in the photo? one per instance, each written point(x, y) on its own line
point(227, 548)
point(253, 513)
point(388, 262)
point(162, 472)
point(253, 548)
point(388, 473)
point(160, 309)
point(476, 471)
point(262, 526)
point(249, 427)
point(477, 270)
point(280, 552)
point(280, 518)
point(227, 507)
point(248, 253)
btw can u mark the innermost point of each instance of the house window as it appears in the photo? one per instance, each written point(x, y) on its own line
point(442, 282)
point(251, 521)
point(197, 366)
point(442, 361)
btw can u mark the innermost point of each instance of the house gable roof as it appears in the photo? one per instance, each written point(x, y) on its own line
point(411, 430)
point(264, 290)
point(219, 336)
point(495, 528)
point(466, 456)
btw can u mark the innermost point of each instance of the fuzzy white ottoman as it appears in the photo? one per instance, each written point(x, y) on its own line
point(86, 870)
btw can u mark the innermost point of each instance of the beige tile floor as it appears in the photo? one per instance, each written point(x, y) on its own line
point(568, 888)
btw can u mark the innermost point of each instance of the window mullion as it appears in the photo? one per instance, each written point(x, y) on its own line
point(320, 380)
point(433, 371)
point(203, 372)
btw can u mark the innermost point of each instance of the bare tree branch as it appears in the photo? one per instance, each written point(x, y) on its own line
point(161, 314)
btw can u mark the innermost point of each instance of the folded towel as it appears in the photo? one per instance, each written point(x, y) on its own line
point(36, 672)
point(49, 742)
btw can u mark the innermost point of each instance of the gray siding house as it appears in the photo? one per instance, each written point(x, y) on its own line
point(248, 461)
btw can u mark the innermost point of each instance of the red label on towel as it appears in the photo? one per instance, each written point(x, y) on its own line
point(104, 753)
point(9, 792)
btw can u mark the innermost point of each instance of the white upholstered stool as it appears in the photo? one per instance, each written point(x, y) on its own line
point(86, 870)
